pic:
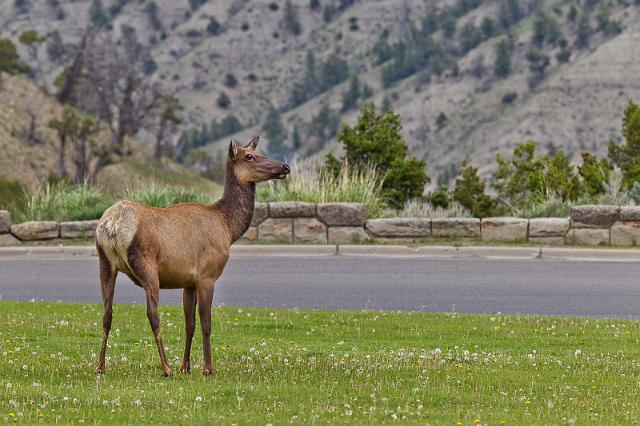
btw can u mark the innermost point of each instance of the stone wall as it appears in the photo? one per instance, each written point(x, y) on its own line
point(344, 223)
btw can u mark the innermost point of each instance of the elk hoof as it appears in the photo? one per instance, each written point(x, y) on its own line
point(166, 372)
point(185, 368)
point(101, 370)
point(208, 371)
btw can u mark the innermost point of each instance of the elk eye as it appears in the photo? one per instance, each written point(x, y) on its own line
point(249, 157)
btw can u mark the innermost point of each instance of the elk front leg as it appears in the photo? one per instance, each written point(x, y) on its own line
point(205, 299)
point(189, 307)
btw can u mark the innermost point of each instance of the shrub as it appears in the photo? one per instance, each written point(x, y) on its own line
point(223, 100)
point(420, 208)
point(508, 98)
point(312, 183)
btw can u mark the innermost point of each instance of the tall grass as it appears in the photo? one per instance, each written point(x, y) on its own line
point(421, 208)
point(156, 195)
point(61, 201)
point(309, 182)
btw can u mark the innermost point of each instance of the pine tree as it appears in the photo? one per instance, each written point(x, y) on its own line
point(502, 66)
point(469, 192)
point(376, 139)
point(291, 19)
point(275, 131)
point(583, 32)
point(97, 15)
point(351, 96)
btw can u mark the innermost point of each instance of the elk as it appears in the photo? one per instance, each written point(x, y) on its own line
point(183, 246)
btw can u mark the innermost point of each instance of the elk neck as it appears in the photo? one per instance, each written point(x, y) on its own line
point(237, 202)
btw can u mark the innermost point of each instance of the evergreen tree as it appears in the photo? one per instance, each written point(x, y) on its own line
point(470, 36)
point(213, 27)
point(275, 131)
point(97, 15)
point(583, 32)
point(469, 192)
point(9, 58)
point(376, 139)
point(488, 27)
point(223, 100)
point(291, 19)
point(352, 95)
point(538, 63)
point(627, 155)
point(594, 173)
point(502, 66)
point(296, 138)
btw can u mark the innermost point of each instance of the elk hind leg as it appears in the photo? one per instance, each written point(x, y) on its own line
point(146, 274)
point(108, 274)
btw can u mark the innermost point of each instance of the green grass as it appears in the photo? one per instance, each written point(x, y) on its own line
point(280, 366)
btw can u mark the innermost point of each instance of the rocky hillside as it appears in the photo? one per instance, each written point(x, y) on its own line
point(240, 57)
point(29, 148)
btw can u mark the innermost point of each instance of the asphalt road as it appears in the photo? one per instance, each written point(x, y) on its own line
point(546, 287)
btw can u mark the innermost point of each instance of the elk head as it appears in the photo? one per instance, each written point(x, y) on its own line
point(251, 166)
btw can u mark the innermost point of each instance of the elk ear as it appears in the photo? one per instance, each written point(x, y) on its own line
point(253, 144)
point(233, 150)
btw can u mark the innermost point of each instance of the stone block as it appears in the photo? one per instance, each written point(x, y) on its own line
point(5, 221)
point(625, 233)
point(504, 228)
point(260, 213)
point(399, 227)
point(251, 234)
point(276, 230)
point(594, 216)
point(30, 231)
point(342, 214)
point(630, 213)
point(78, 229)
point(547, 241)
point(309, 230)
point(292, 209)
point(9, 240)
point(588, 236)
point(548, 227)
point(347, 234)
point(455, 227)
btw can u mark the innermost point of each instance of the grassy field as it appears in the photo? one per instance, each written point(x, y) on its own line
point(280, 366)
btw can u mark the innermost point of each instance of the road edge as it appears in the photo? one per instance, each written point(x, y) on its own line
point(487, 252)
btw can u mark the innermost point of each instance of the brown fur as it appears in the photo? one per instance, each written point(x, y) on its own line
point(182, 246)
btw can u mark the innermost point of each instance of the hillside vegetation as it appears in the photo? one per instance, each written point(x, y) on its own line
point(242, 67)
point(30, 148)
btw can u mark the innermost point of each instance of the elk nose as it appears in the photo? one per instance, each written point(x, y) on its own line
point(286, 168)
